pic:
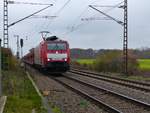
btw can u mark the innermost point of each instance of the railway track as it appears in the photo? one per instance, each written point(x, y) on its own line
point(116, 80)
point(109, 100)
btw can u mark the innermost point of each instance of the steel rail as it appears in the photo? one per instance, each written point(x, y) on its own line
point(89, 97)
point(129, 83)
point(96, 73)
point(141, 103)
point(105, 106)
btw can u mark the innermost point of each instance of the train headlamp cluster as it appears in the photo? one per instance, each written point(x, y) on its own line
point(50, 59)
point(65, 59)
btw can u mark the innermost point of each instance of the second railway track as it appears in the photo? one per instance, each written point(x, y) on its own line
point(128, 83)
point(114, 102)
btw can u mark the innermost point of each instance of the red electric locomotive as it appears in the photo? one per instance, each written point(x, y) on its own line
point(51, 54)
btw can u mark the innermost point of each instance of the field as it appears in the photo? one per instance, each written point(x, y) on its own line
point(144, 64)
point(85, 61)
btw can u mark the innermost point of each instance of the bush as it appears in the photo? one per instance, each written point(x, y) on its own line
point(133, 64)
point(13, 62)
point(74, 62)
point(8, 60)
point(113, 62)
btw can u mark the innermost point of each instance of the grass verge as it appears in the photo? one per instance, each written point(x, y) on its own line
point(144, 64)
point(22, 97)
point(86, 61)
point(55, 109)
point(138, 78)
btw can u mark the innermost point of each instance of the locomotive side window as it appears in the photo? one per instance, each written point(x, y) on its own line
point(56, 46)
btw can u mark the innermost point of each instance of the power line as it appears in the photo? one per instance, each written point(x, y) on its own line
point(59, 11)
point(73, 28)
point(125, 26)
point(74, 23)
point(103, 6)
point(125, 32)
point(80, 16)
point(5, 19)
point(94, 18)
point(55, 15)
point(111, 6)
point(112, 18)
point(28, 16)
point(43, 16)
point(41, 25)
point(29, 3)
point(62, 7)
point(106, 11)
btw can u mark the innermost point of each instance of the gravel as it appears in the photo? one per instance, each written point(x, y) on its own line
point(119, 103)
point(63, 98)
point(137, 94)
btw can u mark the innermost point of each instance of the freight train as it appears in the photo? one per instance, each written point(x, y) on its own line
point(52, 54)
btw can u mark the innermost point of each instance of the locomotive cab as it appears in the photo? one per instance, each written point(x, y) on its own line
point(52, 54)
point(57, 55)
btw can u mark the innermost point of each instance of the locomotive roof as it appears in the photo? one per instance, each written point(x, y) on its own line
point(53, 38)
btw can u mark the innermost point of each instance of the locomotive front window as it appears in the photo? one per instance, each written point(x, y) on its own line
point(56, 46)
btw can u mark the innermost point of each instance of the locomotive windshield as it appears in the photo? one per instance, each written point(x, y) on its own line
point(56, 46)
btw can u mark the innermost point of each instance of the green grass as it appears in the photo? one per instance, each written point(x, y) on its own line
point(138, 78)
point(55, 109)
point(85, 61)
point(22, 97)
point(84, 103)
point(144, 64)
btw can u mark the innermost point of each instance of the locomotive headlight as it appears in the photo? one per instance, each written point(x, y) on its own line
point(48, 59)
point(65, 59)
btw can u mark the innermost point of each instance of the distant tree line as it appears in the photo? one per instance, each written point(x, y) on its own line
point(78, 53)
point(106, 60)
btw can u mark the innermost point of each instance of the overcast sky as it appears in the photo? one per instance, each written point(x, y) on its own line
point(96, 34)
